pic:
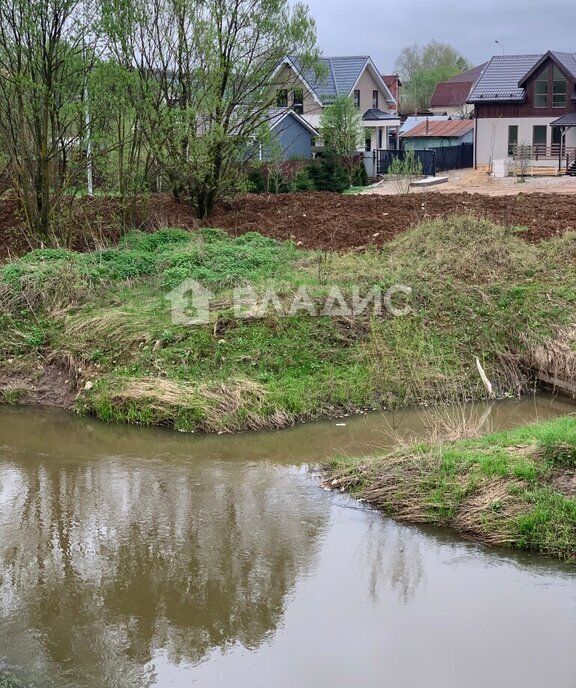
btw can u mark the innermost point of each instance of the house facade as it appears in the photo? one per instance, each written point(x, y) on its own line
point(307, 93)
point(292, 134)
point(527, 100)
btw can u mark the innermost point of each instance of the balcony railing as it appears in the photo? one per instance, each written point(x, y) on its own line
point(553, 152)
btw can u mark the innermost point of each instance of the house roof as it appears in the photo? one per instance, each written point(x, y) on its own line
point(503, 78)
point(391, 79)
point(565, 60)
point(411, 122)
point(455, 91)
point(277, 115)
point(374, 114)
point(568, 120)
point(499, 81)
point(452, 128)
point(340, 75)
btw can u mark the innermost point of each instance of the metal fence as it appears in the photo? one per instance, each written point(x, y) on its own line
point(432, 159)
point(383, 160)
point(454, 157)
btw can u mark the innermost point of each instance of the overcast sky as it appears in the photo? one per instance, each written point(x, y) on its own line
point(381, 28)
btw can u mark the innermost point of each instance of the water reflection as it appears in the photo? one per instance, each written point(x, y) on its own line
point(108, 561)
point(132, 558)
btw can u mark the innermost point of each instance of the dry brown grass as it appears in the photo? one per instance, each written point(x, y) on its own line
point(554, 361)
point(210, 407)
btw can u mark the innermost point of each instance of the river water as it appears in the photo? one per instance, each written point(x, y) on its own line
point(135, 557)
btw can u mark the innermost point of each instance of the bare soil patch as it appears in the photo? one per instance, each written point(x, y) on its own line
point(312, 220)
point(332, 221)
point(52, 386)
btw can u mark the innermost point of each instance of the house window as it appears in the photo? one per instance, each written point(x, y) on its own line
point(560, 89)
point(298, 100)
point(541, 91)
point(539, 139)
point(556, 140)
point(512, 139)
point(357, 99)
point(375, 99)
point(282, 98)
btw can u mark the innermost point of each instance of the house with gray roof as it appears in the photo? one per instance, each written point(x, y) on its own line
point(307, 91)
point(527, 100)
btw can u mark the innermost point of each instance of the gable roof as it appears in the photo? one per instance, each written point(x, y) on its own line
point(454, 92)
point(341, 74)
point(567, 61)
point(499, 80)
point(277, 115)
point(469, 75)
point(504, 76)
point(446, 129)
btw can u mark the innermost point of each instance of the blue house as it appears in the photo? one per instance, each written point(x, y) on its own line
point(292, 132)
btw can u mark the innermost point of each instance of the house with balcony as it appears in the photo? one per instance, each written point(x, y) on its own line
point(307, 92)
point(527, 100)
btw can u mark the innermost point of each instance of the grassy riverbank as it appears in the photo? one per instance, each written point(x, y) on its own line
point(94, 331)
point(515, 489)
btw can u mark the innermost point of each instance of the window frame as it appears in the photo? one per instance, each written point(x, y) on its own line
point(357, 98)
point(298, 103)
point(537, 147)
point(562, 79)
point(542, 80)
point(512, 144)
point(375, 99)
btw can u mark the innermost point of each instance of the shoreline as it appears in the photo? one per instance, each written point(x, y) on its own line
point(514, 489)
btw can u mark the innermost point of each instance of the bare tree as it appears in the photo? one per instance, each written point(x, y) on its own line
point(422, 67)
point(47, 49)
point(205, 72)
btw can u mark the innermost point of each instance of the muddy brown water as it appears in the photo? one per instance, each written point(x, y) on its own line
point(135, 557)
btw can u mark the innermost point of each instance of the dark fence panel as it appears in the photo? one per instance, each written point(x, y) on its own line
point(433, 159)
point(384, 159)
point(454, 157)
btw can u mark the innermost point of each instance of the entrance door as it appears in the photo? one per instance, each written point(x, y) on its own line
point(557, 147)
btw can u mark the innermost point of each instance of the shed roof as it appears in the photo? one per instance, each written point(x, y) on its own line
point(412, 121)
point(568, 120)
point(452, 128)
point(376, 114)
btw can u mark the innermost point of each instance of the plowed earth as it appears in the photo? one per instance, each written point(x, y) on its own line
point(312, 220)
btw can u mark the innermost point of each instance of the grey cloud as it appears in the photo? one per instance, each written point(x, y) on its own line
point(382, 29)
